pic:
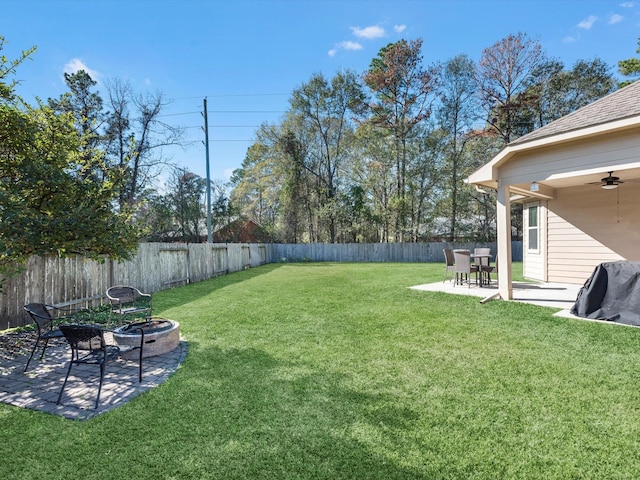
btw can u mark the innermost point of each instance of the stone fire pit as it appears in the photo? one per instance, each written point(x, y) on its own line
point(160, 336)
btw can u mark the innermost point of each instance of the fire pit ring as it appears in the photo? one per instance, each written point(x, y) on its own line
point(160, 336)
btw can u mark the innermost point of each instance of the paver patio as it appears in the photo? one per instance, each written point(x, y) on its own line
point(38, 388)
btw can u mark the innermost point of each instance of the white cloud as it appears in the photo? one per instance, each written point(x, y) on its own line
point(399, 28)
point(615, 18)
point(628, 4)
point(568, 39)
point(373, 31)
point(349, 45)
point(587, 23)
point(346, 45)
point(75, 65)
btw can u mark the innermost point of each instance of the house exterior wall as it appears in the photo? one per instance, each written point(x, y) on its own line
point(598, 154)
point(588, 225)
point(583, 225)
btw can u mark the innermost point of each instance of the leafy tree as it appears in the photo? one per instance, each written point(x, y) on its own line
point(292, 196)
point(7, 68)
point(404, 90)
point(323, 109)
point(186, 199)
point(85, 106)
point(355, 216)
point(629, 68)
point(223, 211)
point(47, 202)
point(372, 168)
point(556, 92)
point(456, 113)
point(155, 217)
point(256, 186)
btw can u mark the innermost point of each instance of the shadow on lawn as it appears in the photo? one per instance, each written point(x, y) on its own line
point(176, 297)
point(261, 417)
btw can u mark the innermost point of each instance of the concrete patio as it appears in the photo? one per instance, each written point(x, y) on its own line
point(38, 388)
point(555, 295)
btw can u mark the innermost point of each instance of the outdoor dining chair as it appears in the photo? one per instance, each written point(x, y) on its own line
point(88, 346)
point(482, 259)
point(449, 269)
point(464, 268)
point(46, 325)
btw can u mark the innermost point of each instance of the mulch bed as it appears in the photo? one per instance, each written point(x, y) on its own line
point(16, 343)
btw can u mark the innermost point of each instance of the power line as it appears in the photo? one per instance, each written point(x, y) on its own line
point(223, 126)
point(223, 95)
point(222, 111)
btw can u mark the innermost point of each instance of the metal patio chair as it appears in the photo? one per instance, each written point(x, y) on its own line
point(88, 346)
point(128, 302)
point(47, 325)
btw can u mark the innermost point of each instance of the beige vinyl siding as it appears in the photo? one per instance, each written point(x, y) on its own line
point(588, 154)
point(534, 260)
point(587, 226)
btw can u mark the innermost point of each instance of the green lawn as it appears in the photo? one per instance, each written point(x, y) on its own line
point(339, 371)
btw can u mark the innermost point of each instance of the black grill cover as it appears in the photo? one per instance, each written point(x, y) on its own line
point(611, 293)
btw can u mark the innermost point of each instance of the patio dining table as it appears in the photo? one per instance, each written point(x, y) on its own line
point(481, 257)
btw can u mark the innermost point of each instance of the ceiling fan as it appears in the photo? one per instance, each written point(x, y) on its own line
point(608, 183)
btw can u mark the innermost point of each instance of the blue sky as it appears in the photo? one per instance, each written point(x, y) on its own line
point(247, 57)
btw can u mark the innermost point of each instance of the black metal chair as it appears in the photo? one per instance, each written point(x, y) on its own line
point(88, 346)
point(40, 313)
point(128, 301)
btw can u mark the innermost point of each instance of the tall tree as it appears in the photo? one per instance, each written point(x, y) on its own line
point(404, 91)
point(372, 168)
point(502, 74)
point(456, 114)
point(135, 138)
point(324, 110)
point(256, 186)
point(85, 106)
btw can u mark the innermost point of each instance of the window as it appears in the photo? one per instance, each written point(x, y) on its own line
point(532, 228)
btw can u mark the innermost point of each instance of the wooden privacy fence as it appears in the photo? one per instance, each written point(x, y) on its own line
point(376, 252)
point(159, 266)
point(156, 266)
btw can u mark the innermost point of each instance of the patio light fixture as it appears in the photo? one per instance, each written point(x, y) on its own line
point(534, 187)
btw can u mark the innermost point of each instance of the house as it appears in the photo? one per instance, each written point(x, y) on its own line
point(578, 179)
point(242, 230)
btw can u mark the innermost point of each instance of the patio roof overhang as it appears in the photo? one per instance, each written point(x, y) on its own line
point(489, 174)
point(535, 185)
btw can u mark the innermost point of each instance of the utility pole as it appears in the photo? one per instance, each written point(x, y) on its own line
point(206, 145)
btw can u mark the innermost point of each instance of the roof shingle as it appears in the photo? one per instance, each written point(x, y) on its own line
point(623, 103)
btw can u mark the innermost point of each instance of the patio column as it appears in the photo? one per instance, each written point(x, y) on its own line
point(503, 232)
